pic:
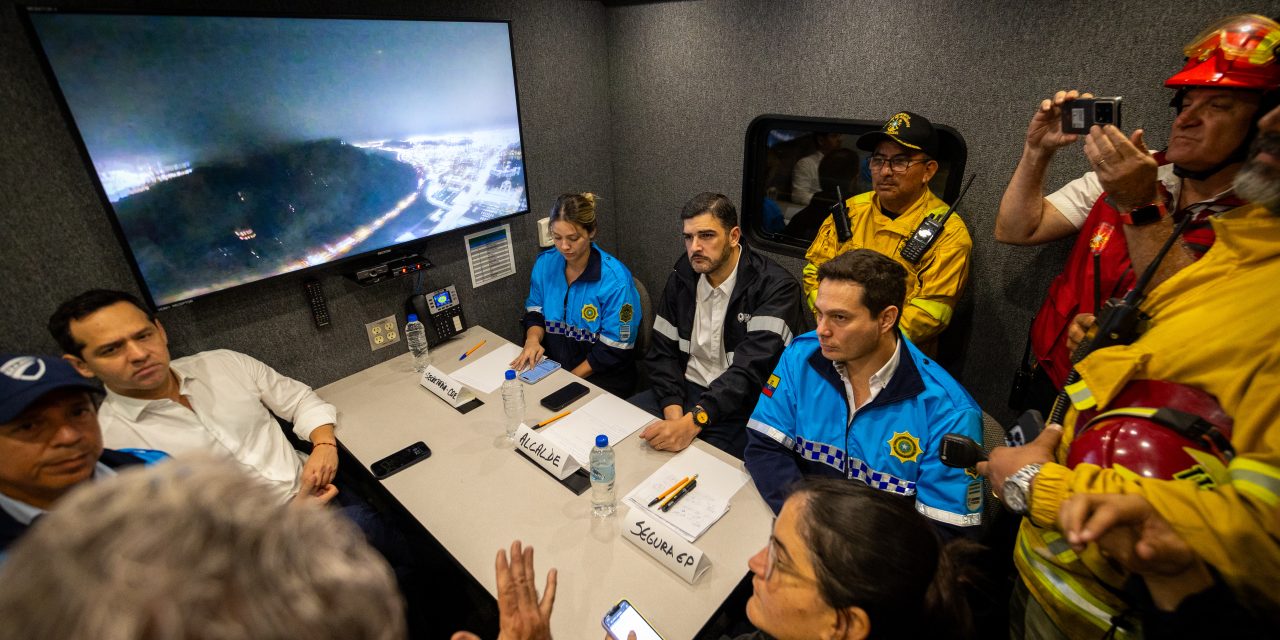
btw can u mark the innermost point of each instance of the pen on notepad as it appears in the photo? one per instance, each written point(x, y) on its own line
point(471, 350)
point(675, 487)
point(552, 419)
point(671, 502)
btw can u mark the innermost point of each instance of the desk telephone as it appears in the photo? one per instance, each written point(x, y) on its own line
point(441, 312)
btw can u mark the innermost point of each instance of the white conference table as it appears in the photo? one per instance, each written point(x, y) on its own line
point(475, 495)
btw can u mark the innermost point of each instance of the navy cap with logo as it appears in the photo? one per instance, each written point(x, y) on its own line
point(25, 379)
point(908, 129)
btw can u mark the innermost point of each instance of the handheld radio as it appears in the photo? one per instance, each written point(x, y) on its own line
point(1118, 322)
point(840, 218)
point(927, 233)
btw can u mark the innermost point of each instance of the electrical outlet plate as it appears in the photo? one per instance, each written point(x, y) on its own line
point(382, 332)
point(544, 233)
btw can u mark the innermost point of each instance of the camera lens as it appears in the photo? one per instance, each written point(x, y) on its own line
point(1102, 113)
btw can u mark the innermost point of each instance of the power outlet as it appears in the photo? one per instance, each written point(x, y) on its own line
point(382, 332)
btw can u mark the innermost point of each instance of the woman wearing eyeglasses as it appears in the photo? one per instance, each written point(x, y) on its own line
point(846, 561)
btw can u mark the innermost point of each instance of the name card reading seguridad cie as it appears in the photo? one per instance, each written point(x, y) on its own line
point(544, 452)
point(448, 389)
point(664, 545)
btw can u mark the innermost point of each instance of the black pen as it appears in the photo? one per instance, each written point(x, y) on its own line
point(666, 506)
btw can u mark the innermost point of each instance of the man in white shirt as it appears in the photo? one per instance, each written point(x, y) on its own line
point(805, 179)
point(217, 401)
point(724, 317)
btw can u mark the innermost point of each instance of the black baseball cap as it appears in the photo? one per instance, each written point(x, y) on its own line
point(26, 379)
point(908, 129)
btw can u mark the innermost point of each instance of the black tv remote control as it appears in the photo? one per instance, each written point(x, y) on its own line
point(319, 307)
point(401, 460)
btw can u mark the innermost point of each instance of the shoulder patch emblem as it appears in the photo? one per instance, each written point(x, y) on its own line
point(973, 496)
point(590, 312)
point(770, 385)
point(626, 313)
point(904, 446)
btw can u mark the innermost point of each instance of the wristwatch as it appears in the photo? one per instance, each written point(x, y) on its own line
point(700, 416)
point(1016, 491)
point(1146, 214)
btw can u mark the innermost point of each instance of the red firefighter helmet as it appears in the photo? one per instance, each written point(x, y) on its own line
point(1233, 53)
point(1149, 429)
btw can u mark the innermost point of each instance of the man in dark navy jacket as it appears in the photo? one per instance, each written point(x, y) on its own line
point(49, 440)
point(724, 317)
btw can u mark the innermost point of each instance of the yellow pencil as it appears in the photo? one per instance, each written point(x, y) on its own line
point(552, 419)
point(669, 491)
point(677, 492)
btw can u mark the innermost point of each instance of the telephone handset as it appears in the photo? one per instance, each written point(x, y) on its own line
point(441, 312)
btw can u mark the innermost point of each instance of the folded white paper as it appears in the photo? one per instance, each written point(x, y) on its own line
point(545, 453)
point(444, 386)
point(679, 556)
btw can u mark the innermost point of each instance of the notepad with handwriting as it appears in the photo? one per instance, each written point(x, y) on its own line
point(694, 513)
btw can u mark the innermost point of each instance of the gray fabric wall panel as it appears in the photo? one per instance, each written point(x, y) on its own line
point(688, 77)
point(58, 241)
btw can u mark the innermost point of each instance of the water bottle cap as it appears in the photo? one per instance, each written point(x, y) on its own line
point(511, 374)
point(602, 441)
point(413, 317)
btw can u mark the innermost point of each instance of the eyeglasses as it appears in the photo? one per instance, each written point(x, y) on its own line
point(772, 560)
point(899, 164)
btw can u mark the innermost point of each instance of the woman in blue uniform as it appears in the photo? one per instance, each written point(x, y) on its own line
point(583, 310)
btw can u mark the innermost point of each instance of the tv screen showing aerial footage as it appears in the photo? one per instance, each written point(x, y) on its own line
point(234, 149)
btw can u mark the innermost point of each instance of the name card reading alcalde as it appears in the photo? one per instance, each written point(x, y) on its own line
point(448, 389)
point(659, 541)
point(545, 453)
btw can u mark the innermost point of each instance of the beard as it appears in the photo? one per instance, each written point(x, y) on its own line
point(1259, 182)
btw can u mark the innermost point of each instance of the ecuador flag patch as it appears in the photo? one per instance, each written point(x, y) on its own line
point(770, 385)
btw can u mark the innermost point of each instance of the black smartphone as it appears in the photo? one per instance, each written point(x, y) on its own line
point(565, 396)
point(1082, 113)
point(961, 452)
point(401, 460)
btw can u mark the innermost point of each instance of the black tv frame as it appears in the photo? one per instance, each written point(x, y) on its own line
point(407, 248)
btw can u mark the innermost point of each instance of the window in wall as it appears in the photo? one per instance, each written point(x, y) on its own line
point(794, 165)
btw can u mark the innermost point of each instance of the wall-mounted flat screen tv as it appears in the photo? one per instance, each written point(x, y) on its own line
point(231, 149)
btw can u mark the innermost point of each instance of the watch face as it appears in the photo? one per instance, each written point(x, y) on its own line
point(1014, 498)
point(700, 415)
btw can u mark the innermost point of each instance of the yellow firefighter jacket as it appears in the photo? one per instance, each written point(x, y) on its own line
point(933, 285)
point(1214, 327)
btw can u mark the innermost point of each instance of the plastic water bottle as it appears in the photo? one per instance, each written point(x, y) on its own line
point(416, 335)
point(512, 402)
point(603, 501)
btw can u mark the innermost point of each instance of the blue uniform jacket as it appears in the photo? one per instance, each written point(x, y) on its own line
point(596, 318)
point(800, 427)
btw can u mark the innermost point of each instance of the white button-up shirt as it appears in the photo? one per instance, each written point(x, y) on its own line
point(707, 359)
point(232, 399)
point(879, 380)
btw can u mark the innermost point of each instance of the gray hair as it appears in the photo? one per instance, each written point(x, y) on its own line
point(194, 549)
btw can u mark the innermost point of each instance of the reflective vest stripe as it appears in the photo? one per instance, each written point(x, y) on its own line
point(1257, 479)
point(940, 311)
point(1068, 591)
point(1081, 396)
